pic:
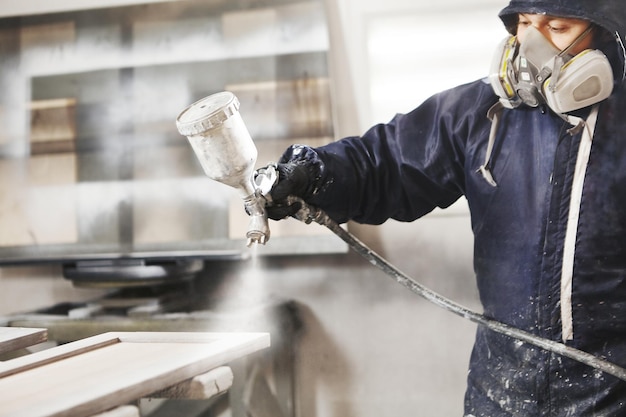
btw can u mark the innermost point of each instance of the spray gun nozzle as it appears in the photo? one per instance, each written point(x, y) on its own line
point(254, 238)
point(258, 228)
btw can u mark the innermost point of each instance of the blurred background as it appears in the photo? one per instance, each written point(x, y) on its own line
point(101, 199)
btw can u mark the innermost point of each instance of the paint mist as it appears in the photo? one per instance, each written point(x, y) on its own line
point(242, 298)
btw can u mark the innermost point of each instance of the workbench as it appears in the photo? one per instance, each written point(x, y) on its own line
point(106, 374)
point(264, 383)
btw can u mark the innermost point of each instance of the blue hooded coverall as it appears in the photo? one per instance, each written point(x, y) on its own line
point(429, 158)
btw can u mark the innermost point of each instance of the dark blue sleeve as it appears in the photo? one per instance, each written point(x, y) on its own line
point(407, 167)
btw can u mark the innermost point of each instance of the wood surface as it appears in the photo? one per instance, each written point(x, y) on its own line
point(201, 387)
point(14, 338)
point(102, 372)
point(121, 411)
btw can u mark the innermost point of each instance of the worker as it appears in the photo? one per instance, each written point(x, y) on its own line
point(538, 149)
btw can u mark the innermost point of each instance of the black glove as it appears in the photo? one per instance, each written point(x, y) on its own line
point(299, 175)
point(293, 180)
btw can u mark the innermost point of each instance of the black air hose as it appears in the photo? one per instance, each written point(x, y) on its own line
point(310, 214)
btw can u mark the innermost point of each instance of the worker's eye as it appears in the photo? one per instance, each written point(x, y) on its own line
point(557, 29)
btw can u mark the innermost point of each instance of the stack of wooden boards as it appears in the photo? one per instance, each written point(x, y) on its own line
point(104, 374)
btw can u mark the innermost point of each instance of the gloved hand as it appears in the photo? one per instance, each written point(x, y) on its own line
point(299, 172)
point(293, 180)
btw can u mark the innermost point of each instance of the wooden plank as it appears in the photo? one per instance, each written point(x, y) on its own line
point(53, 125)
point(52, 103)
point(201, 387)
point(101, 372)
point(14, 338)
point(121, 411)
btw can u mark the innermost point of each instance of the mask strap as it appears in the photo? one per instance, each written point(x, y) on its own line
point(569, 245)
point(494, 115)
point(559, 60)
point(576, 41)
point(623, 49)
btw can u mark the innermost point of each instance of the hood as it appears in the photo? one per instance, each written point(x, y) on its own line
point(608, 14)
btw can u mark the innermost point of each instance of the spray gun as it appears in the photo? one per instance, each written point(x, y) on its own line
point(227, 154)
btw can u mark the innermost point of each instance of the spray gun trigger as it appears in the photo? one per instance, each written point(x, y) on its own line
point(265, 178)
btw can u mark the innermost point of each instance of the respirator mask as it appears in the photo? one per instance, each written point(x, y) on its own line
point(536, 72)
